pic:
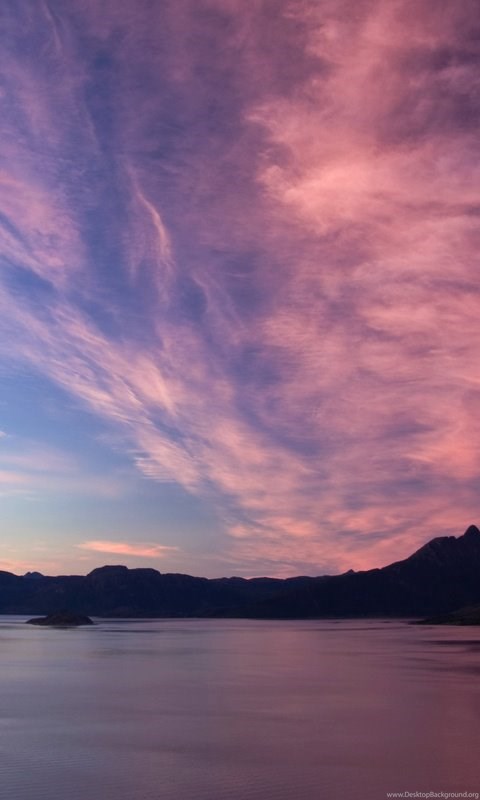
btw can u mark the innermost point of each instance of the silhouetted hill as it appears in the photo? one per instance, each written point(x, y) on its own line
point(440, 577)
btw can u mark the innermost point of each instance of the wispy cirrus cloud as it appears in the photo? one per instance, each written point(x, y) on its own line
point(33, 469)
point(267, 287)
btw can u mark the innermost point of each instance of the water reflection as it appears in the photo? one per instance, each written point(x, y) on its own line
point(173, 709)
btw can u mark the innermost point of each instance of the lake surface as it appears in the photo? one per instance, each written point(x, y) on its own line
point(237, 710)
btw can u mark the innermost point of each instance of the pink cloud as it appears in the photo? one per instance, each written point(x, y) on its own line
point(9, 478)
point(137, 549)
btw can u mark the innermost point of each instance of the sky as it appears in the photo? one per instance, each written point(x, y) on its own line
point(239, 286)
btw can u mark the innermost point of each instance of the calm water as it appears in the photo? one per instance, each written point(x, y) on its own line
point(235, 710)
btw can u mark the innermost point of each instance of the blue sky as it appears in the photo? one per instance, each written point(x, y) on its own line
point(239, 296)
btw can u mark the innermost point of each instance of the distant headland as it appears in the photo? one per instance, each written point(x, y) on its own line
point(465, 616)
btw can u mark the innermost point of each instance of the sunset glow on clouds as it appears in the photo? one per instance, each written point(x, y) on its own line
point(239, 249)
point(142, 550)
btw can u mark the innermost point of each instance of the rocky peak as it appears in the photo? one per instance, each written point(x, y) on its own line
point(472, 532)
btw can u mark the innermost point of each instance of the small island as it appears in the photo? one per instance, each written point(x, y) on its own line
point(61, 619)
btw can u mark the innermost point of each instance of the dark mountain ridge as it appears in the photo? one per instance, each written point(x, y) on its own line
point(440, 577)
